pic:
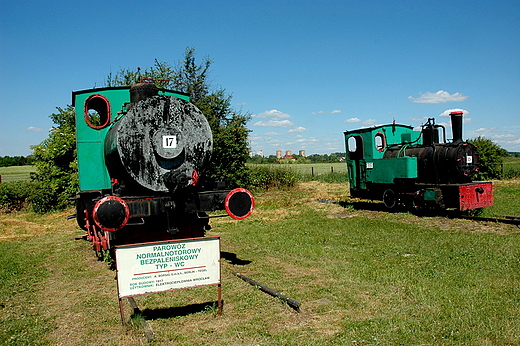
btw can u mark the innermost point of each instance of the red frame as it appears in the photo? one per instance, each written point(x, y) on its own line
point(103, 200)
point(228, 197)
point(106, 104)
point(474, 196)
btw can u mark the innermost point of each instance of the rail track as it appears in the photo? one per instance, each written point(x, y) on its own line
point(512, 220)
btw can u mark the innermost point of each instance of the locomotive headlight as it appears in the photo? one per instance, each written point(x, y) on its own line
point(111, 213)
point(239, 203)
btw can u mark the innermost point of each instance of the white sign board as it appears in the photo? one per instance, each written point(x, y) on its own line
point(167, 265)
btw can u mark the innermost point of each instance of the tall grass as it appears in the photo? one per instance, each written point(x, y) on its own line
point(266, 177)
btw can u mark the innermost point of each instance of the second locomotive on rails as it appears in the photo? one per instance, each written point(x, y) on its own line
point(141, 154)
point(421, 169)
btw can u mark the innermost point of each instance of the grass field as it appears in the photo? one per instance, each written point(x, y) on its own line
point(16, 173)
point(310, 168)
point(511, 164)
point(363, 276)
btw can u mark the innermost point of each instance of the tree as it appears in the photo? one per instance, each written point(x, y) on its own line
point(491, 158)
point(56, 167)
point(230, 147)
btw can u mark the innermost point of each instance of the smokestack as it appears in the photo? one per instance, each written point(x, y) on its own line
point(142, 91)
point(456, 126)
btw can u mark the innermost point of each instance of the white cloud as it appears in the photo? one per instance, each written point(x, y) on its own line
point(272, 134)
point(320, 112)
point(353, 120)
point(447, 112)
point(484, 129)
point(272, 114)
point(335, 111)
point(298, 129)
point(34, 129)
point(508, 135)
point(274, 123)
point(440, 96)
point(369, 122)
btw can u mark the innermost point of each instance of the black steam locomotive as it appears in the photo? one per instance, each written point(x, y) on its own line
point(141, 154)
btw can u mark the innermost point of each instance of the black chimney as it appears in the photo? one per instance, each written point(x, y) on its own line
point(456, 126)
point(142, 91)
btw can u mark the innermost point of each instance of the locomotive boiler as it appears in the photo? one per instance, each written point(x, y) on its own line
point(141, 154)
point(421, 169)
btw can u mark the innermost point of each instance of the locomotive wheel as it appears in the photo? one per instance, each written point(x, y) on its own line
point(389, 198)
point(417, 203)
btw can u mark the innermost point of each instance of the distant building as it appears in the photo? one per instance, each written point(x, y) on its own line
point(302, 153)
point(278, 154)
point(260, 153)
point(288, 153)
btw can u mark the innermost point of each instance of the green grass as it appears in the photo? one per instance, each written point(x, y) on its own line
point(14, 173)
point(363, 277)
point(20, 272)
point(506, 195)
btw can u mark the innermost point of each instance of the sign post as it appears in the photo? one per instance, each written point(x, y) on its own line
point(166, 266)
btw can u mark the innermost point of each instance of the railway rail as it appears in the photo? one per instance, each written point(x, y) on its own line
point(507, 219)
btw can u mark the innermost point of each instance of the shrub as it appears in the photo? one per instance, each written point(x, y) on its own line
point(268, 178)
point(14, 195)
point(511, 174)
point(332, 177)
point(491, 158)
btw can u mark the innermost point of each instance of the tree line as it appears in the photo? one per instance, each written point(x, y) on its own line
point(314, 158)
point(7, 161)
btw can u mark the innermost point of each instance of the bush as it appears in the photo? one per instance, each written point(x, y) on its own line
point(491, 158)
point(511, 174)
point(269, 178)
point(14, 195)
point(45, 198)
point(34, 195)
point(333, 177)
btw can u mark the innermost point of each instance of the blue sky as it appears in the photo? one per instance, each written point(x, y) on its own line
point(305, 70)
